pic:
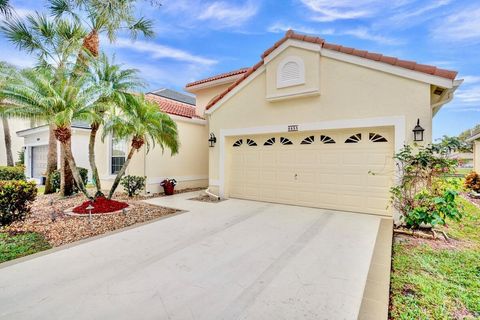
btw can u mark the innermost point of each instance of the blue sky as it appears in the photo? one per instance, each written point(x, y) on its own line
point(195, 39)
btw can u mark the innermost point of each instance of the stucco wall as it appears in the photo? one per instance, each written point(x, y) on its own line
point(189, 167)
point(204, 96)
point(347, 91)
point(476, 156)
point(17, 142)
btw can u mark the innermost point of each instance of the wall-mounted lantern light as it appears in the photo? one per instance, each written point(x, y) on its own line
point(212, 140)
point(418, 132)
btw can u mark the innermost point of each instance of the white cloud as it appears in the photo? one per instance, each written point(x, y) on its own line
point(366, 34)
point(280, 27)
point(211, 14)
point(158, 51)
point(360, 32)
point(229, 14)
point(470, 79)
point(463, 25)
point(469, 95)
point(328, 10)
point(412, 16)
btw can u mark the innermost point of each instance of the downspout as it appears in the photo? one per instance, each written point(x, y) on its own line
point(211, 194)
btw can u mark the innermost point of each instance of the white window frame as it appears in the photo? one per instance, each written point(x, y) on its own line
point(110, 155)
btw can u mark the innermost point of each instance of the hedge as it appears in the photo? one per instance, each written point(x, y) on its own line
point(55, 178)
point(12, 173)
point(15, 199)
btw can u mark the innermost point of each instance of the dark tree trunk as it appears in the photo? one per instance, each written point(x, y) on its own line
point(73, 166)
point(52, 158)
point(91, 158)
point(121, 173)
point(66, 176)
point(8, 142)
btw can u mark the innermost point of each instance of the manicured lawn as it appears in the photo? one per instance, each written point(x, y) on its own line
point(22, 244)
point(439, 280)
point(464, 171)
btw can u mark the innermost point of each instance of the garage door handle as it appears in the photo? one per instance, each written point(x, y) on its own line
point(296, 176)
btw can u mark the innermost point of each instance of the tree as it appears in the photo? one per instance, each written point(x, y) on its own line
point(144, 124)
point(54, 42)
point(5, 8)
point(118, 84)
point(56, 98)
point(6, 73)
point(100, 16)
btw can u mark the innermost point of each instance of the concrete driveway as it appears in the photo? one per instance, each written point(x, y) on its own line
point(231, 260)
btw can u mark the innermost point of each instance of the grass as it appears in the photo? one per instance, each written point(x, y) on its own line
point(464, 171)
point(439, 282)
point(22, 244)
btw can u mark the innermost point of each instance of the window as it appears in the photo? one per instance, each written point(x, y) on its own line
point(375, 137)
point(251, 143)
point(326, 139)
point(290, 72)
point(269, 142)
point(308, 140)
point(238, 143)
point(285, 141)
point(119, 152)
point(354, 139)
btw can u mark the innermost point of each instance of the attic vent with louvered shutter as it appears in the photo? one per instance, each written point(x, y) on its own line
point(290, 72)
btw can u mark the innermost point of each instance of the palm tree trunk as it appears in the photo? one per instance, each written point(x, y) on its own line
point(121, 173)
point(66, 177)
point(91, 159)
point(8, 142)
point(67, 147)
point(51, 160)
point(92, 43)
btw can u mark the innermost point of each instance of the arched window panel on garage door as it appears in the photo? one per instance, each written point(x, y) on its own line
point(326, 139)
point(375, 137)
point(285, 141)
point(308, 140)
point(269, 142)
point(238, 143)
point(354, 139)
point(251, 143)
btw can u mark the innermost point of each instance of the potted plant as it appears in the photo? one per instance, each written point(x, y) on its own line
point(168, 186)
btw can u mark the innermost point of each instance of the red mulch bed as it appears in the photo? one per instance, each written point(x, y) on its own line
point(100, 205)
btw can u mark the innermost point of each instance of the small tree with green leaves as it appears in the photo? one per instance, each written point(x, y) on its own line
point(423, 195)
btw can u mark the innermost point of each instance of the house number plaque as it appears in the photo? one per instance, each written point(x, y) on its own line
point(293, 128)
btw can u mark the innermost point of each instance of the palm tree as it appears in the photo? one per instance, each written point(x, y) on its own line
point(44, 95)
point(118, 84)
point(5, 8)
point(143, 123)
point(6, 73)
point(54, 42)
point(100, 16)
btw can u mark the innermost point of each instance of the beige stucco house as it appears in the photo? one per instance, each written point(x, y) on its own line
point(14, 124)
point(317, 124)
point(189, 167)
point(475, 139)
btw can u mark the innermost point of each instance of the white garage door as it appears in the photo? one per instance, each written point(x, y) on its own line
point(39, 161)
point(349, 170)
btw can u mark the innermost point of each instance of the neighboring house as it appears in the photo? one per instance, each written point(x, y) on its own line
point(317, 124)
point(189, 167)
point(465, 159)
point(14, 125)
point(475, 138)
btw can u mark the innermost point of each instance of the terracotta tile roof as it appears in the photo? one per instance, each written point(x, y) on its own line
point(173, 107)
point(218, 76)
point(428, 69)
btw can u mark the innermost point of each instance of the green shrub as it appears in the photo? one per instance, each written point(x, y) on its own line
point(12, 173)
point(55, 178)
point(424, 195)
point(133, 184)
point(15, 199)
